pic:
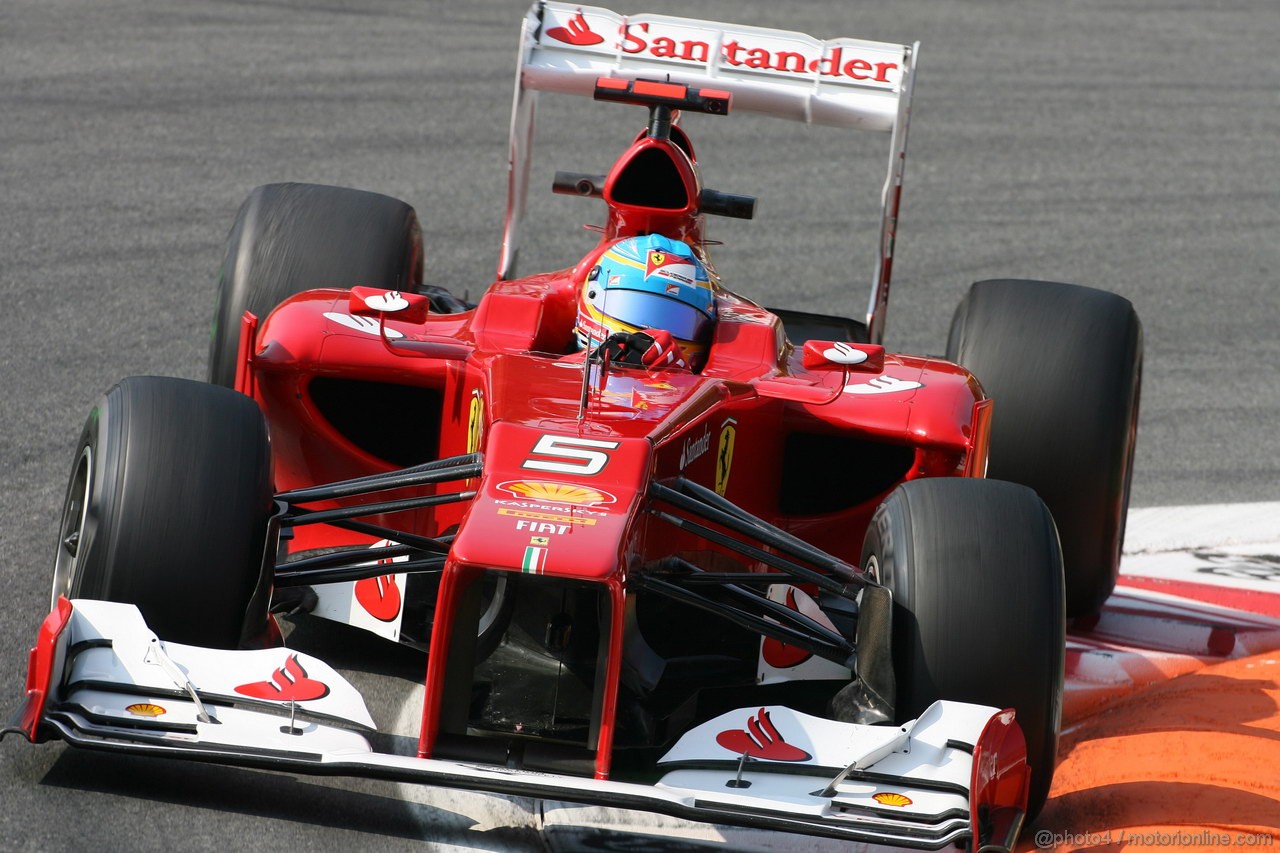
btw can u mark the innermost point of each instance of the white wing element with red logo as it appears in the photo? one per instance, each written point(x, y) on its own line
point(222, 678)
point(778, 733)
point(576, 31)
point(374, 604)
point(779, 662)
point(93, 684)
point(289, 683)
point(845, 82)
point(761, 739)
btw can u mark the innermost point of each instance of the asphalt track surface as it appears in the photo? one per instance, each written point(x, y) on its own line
point(1126, 145)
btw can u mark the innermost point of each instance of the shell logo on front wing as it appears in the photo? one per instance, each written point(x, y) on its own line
point(552, 492)
point(145, 709)
point(888, 798)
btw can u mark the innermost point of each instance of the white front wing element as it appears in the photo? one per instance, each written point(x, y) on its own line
point(374, 604)
point(778, 662)
point(771, 768)
point(118, 675)
point(915, 777)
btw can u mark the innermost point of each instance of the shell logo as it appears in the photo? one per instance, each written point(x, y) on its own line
point(145, 709)
point(891, 799)
point(565, 493)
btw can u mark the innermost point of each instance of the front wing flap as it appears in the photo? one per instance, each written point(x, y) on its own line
point(101, 679)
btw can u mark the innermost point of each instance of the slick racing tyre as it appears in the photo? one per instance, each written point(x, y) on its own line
point(1064, 366)
point(167, 508)
point(976, 575)
point(288, 238)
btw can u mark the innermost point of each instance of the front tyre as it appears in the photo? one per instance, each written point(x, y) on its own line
point(976, 575)
point(167, 508)
point(288, 238)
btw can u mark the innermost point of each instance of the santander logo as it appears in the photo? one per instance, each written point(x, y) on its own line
point(847, 61)
point(739, 53)
point(777, 653)
point(380, 597)
point(761, 739)
point(288, 683)
point(577, 32)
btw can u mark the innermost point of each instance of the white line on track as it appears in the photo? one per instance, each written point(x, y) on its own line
point(1217, 526)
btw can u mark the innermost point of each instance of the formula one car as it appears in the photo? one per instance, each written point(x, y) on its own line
point(760, 579)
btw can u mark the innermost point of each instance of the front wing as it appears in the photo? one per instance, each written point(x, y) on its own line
point(99, 678)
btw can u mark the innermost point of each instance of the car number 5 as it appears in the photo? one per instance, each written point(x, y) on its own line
point(569, 455)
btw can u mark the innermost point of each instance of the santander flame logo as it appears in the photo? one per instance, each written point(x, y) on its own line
point(380, 597)
point(577, 32)
point(289, 683)
point(777, 653)
point(761, 739)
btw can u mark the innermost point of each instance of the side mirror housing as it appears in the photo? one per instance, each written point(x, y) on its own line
point(842, 355)
point(376, 302)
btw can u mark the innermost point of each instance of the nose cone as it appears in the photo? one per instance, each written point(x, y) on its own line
point(554, 503)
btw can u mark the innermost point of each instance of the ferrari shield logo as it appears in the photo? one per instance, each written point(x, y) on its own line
point(475, 422)
point(662, 262)
point(724, 456)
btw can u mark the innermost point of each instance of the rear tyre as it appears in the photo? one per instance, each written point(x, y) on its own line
point(288, 238)
point(976, 575)
point(168, 507)
point(1064, 366)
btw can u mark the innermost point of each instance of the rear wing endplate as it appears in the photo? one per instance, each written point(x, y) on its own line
point(842, 82)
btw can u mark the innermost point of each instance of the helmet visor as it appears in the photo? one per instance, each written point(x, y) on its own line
point(654, 311)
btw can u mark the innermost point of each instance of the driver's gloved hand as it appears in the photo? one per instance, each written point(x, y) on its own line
point(654, 349)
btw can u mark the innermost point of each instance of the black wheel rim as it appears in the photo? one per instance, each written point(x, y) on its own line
point(71, 532)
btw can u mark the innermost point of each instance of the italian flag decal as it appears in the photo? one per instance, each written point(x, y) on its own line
point(534, 560)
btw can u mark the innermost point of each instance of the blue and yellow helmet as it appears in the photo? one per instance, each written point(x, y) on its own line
point(649, 282)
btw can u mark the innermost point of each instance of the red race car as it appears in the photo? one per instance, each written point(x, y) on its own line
point(664, 548)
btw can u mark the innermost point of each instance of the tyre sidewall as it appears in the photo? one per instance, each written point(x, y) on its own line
point(975, 571)
point(177, 508)
point(1063, 364)
point(289, 238)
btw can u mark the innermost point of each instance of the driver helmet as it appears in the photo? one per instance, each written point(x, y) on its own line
point(649, 282)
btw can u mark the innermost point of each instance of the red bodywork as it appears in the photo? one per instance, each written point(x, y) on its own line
point(563, 492)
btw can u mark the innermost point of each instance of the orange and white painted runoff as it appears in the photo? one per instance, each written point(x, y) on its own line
point(1171, 718)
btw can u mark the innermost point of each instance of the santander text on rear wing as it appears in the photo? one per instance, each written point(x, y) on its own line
point(843, 82)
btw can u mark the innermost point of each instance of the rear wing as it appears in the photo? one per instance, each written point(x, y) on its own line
point(842, 82)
